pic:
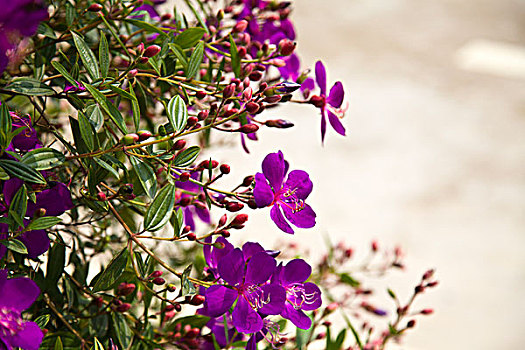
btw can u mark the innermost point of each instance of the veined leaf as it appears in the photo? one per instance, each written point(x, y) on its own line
point(195, 61)
point(87, 56)
point(177, 113)
point(43, 223)
point(235, 60)
point(30, 87)
point(146, 176)
point(160, 209)
point(103, 55)
point(109, 108)
point(14, 245)
point(62, 70)
point(22, 171)
point(189, 37)
point(187, 156)
point(112, 272)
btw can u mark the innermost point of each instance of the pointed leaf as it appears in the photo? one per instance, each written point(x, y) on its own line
point(62, 70)
point(235, 60)
point(189, 37)
point(146, 176)
point(177, 113)
point(43, 158)
point(21, 171)
point(86, 130)
point(160, 209)
point(30, 87)
point(195, 61)
point(187, 156)
point(187, 288)
point(14, 245)
point(112, 272)
point(108, 107)
point(43, 223)
point(87, 56)
point(103, 55)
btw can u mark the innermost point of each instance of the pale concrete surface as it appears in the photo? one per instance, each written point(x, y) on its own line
point(433, 160)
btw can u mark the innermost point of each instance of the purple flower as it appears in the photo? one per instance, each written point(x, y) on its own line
point(27, 139)
point(18, 18)
point(36, 242)
point(300, 295)
point(246, 273)
point(16, 295)
point(330, 104)
point(287, 197)
point(79, 87)
point(198, 208)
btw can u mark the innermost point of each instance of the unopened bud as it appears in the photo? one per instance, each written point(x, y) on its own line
point(255, 76)
point(219, 245)
point(179, 144)
point(185, 201)
point(225, 233)
point(123, 307)
point(286, 47)
point(287, 87)
point(374, 246)
point(140, 48)
point(278, 123)
point(152, 51)
point(158, 281)
point(427, 311)
point(191, 236)
point(228, 91)
point(39, 213)
point(248, 128)
point(192, 333)
point(240, 219)
point(184, 176)
point(317, 101)
point(197, 300)
point(273, 99)
point(129, 139)
point(241, 52)
point(132, 73)
point(332, 307)
point(427, 275)
point(222, 220)
point(252, 107)
point(240, 26)
point(247, 181)
point(202, 115)
point(411, 323)
point(225, 169)
point(155, 274)
point(419, 289)
point(143, 60)
point(125, 289)
point(277, 62)
point(144, 135)
point(247, 94)
point(200, 94)
point(94, 8)
point(171, 288)
point(234, 206)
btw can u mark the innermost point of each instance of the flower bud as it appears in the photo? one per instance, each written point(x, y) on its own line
point(278, 123)
point(240, 26)
point(94, 8)
point(143, 60)
point(192, 121)
point(184, 176)
point(219, 245)
point(247, 181)
point(427, 311)
point(158, 281)
point(272, 99)
point(191, 236)
point(140, 49)
point(317, 101)
point(206, 164)
point(39, 213)
point(152, 51)
point(186, 229)
point(247, 94)
point(411, 323)
point(248, 128)
point(125, 289)
point(374, 246)
point(252, 204)
point(225, 233)
point(239, 220)
point(129, 139)
point(169, 307)
point(427, 275)
point(252, 107)
point(132, 73)
point(202, 115)
point(255, 76)
point(197, 300)
point(171, 288)
point(155, 274)
point(277, 62)
point(225, 169)
point(166, 17)
point(234, 206)
point(287, 87)
point(179, 144)
point(200, 94)
point(123, 307)
point(144, 135)
point(228, 91)
point(241, 52)
point(286, 47)
point(222, 220)
point(185, 201)
point(419, 289)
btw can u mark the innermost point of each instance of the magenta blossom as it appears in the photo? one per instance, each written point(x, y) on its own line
point(287, 197)
point(16, 295)
point(330, 104)
point(245, 273)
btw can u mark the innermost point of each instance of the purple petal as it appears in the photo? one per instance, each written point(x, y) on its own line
point(218, 300)
point(304, 218)
point(259, 269)
point(296, 271)
point(243, 144)
point(309, 84)
point(29, 338)
point(298, 318)
point(217, 253)
point(276, 297)
point(320, 76)
point(274, 169)
point(299, 182)
point(323, 124)
point(246, 319)
point(203, 214)
point(231, 267)
point(3, 249)
point(279, 219)
point(262, 192)
point(36, 242)
point(314, 299)
point(11, 186)
point(336, 123)
point(288, 29)
point(55, 200)
point(251, 248)
point(336, 96)
point(188, 218)
point(18, 293)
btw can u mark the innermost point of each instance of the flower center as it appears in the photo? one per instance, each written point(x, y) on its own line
point(289, 199)
point(10, 322)
point(273, 334)
point(296, 294)
point(255, 296)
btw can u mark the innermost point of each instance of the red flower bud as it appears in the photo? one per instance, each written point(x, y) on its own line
point(411, 323)
point(101, 196)
point(191, 236)
point(200, 94)
point(248, 128)
point(185, 201)
point(152, 51)
point(155, 274)
point(428, 274)
point(225, 233)
point(192, 121)
point(273, 99)
point(427, 311)
point(202, 115)
point(255, 76)
point(252, 107)
point(179, 144)
point(278, 123)
point(171, 288)
point(94, 8)
point(247, 181)
point(225, 169)
point(317, 101)
point(143, 60)
point(374, 246)
point(197, 300)
point(125, 288)
point(158, 281)
point(228, 91)
point(184, 177)
point(144, 135)
point(234, 206)
point(241, 52)
point(240, 26)
point(286, 47)
point(132, 73)
point(123, 307)
point(247, 94)
point(240, 219)
point(129, 139)
point(222, 220)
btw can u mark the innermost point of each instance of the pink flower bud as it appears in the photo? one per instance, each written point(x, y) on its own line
point(159, 281)
point(252, 107)
point(184, 176)
point(144, 135)
point(228, 91)
point(179, 144)
point(286, 47)
point(248, 128)
point(94, 8)
point(123, 307)
point(240, 219)
point(152, 51)
point(240, 26)
point(225, 169)
point(234, 206)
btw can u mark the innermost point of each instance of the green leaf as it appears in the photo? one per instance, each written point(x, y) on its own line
point(43, 158)
point(42, 320)
point(58, 344)
point(46, 30)
point(347, 279)
point(302, 335)
point(123, 93)
point(86, 130)
point(97, 345)
point(55, 264)
point(235, 60)
point(106, 166)
point(189, 37)
point(187, 288)
point(187, 156)
point(391, 293)
point(122, 331)
point(14, 245)
point(22, 171)
point(179, 53)
point(43, 223)
point(135, 108)
point(197, 15)
point(19, 205)
point(112, 272)
point(30, 87)
point(109, 108)
point(177, 113)
point(159, 211)
point(146, 176)
point(103, 55)
point(5, 126)
point(62, 70)
point(195, 61)
point(95, 116)
point(87, 56)
point(146, 26)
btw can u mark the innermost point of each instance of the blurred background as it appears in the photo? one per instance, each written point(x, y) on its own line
point(433, 160)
